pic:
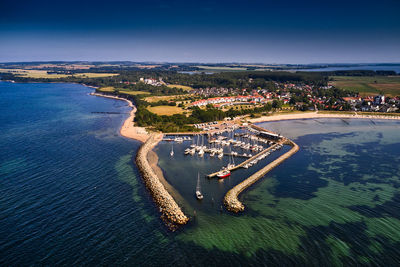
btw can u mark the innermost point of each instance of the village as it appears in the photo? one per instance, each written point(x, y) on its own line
point(298, 96)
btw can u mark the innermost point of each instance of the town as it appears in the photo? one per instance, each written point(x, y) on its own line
point(289, 96)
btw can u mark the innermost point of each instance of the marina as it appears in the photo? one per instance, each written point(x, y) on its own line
point(250, 142)
point(248, 148)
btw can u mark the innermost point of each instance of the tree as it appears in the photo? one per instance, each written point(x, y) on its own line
point(276, 104)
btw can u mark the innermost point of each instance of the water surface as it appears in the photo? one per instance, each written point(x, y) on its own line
point(70, 193)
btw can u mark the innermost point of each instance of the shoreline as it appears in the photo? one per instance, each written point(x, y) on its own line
point(152, 174)
point(316, 115)
point(171, 212)
point(128, 128)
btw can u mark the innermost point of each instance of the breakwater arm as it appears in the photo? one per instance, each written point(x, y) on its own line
point(231, 200)
point(168, 207)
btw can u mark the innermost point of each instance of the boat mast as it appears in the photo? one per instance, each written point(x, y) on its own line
point(198, 182)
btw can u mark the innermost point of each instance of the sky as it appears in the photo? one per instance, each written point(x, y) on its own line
point(252, 31)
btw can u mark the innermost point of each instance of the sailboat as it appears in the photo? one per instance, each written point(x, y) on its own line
point(231, 163)
point(199, 195)
point(201, 152)
point(172, 151)
point(193, 144)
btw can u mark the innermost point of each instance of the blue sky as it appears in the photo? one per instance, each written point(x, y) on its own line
point(279, 31)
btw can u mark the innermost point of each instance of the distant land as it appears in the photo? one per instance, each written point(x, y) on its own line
point(198, 67)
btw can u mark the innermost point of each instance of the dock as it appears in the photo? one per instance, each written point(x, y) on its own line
point(246, 161)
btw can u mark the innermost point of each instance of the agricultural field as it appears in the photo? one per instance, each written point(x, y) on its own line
point(218, 69)
point(43, 74)
point(94, 75)
point(369, 85)
point(183, 87)
point(152, 99)
point(166, 110)
point(134, 92)
point(106, 89)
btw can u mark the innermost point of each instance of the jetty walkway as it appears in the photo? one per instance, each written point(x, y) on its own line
point(168, 207)
point(246, 161)
point(231, 200)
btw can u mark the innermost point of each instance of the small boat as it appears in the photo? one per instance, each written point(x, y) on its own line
point(220, 155)
point(199, 195)
point(223, 174)
point(172, 151)
point(178, 139)
point(201, 152)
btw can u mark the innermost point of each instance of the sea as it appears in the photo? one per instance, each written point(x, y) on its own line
point(378, 67)
point(71, 194)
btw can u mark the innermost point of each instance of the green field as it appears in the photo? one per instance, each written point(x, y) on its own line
point(389, 85)
point(112, 89)
point(134, 92)
point(220, 69)
point(165, 110)
point(183, 87)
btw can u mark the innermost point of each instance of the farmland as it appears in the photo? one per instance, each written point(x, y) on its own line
point(166, 110)
point(183, 87)
point(111, 89)
point(369, 85)
point(44, 74)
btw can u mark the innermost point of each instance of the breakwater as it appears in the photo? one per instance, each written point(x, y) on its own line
point(231, 200)
point(171, 212)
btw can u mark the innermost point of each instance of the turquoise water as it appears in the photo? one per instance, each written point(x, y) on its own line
point(70, 193)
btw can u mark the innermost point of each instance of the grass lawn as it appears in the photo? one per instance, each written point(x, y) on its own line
point(152, 99)
point(165, 110)
point(106, 89)
point(111, 89)
point(134, 92)
point(389, 85)
point(183, 87)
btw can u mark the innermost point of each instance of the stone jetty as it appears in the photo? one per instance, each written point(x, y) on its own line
point(231, 200)
point(171, 212)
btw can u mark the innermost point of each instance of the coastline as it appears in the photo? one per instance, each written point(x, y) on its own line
point(171, 212)
point(152, 174)
point(128, 128)
point(316, 115)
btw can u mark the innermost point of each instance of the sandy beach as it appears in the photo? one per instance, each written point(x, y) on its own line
point(315, 115)
point(151, 171)
point(129, 129)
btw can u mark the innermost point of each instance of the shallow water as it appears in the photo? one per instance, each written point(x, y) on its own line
point(71, 194)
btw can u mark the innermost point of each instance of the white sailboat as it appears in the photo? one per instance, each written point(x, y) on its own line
point(231, 162)
point(202, 147)
point(172, 150)
point(199, 195)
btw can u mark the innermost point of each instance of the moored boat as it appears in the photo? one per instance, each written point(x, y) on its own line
point(223, 174)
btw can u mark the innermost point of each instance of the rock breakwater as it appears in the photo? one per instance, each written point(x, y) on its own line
point(171, 212)
point(231, 200)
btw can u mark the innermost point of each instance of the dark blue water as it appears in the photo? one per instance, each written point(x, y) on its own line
point(394, 67)
point(66, 188)
point(70, 193)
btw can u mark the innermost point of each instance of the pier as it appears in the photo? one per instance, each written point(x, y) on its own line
point(170, 210)
point(246, 161)
point(231, 200)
